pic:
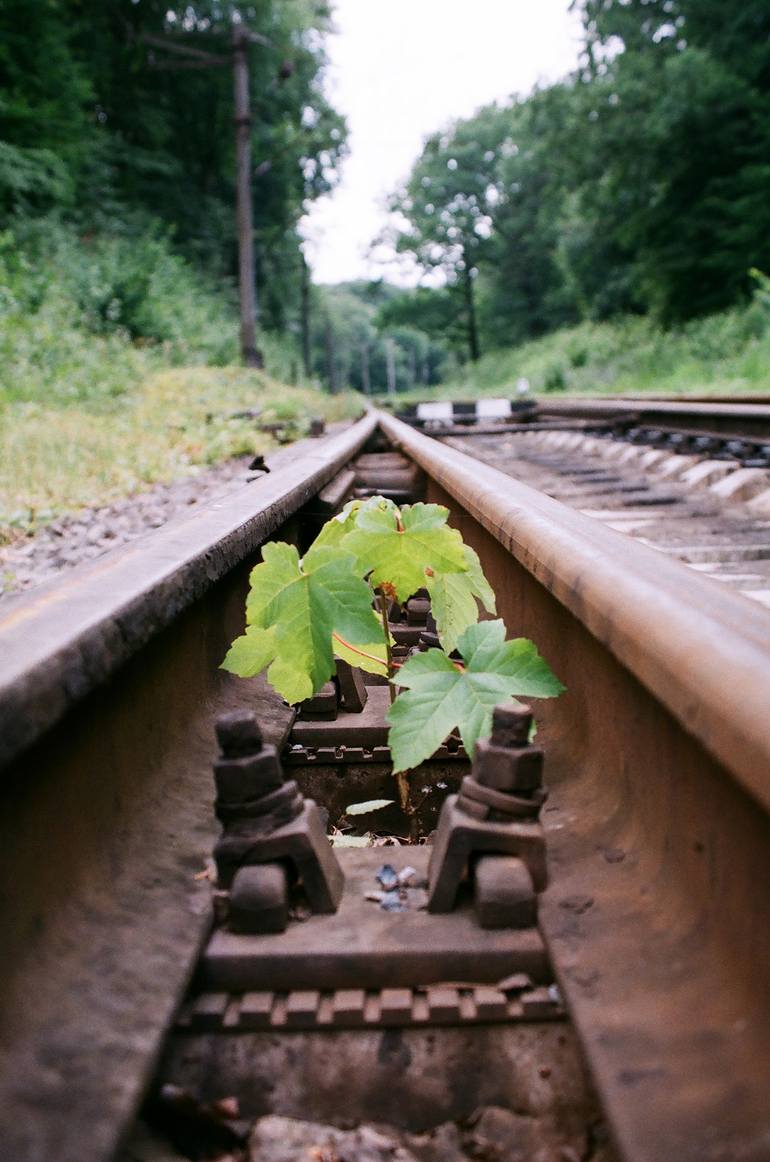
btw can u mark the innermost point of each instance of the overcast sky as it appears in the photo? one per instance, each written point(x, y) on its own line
point(401, 69)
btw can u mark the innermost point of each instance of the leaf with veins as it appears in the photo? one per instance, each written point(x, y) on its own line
point(442, 696)
point(396, 546)
point(453, 599)
point(293, 610)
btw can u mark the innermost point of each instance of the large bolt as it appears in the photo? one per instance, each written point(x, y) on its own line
point(511, 725)
point(238, 734)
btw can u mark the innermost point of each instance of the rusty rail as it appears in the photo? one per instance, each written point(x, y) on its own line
point(657, 915)
point(657, 918)
point(109, 688)
point(749, 419)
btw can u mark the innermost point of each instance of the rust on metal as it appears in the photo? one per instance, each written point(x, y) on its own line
point(68, 637)
point(656, 917)
point(744, 418)
point(355, 1008)
point(363, 946)
point(109, 690)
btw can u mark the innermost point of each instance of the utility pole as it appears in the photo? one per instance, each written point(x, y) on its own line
point(190, 57)
point(252, 356)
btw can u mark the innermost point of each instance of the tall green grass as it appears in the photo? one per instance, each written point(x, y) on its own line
point(116, 371)
point(56, 459)
point(723, 354)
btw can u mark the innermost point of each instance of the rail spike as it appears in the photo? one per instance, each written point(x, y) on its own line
point(491, 828)
point(273, 838)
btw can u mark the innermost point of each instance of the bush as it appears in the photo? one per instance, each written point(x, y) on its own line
point(554, 380)
point(726, 353)
point(83, 318)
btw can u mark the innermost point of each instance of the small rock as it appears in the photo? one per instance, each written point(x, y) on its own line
point(443, 1144)
point(512, 1135)
point(392, 902)
point(96, 533)
point(387, 876)
point(277, 1139)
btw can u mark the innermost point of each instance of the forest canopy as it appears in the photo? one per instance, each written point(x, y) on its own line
point(640, 184)
point(106, 123)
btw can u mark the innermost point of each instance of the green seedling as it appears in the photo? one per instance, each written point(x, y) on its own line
point(302, 614)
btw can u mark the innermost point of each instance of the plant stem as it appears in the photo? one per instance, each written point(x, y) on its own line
point(402, 778)
point(383, 608)
point(402, 786)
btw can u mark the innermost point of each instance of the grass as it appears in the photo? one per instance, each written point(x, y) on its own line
point(116, 372)
point(56, 459)
point(725, 354)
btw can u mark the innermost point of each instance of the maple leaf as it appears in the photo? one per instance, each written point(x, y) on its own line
point(340, 525)
point(293, 611)
point(396, 546)
point(369, 656)
point(453, 599)
point(442, 695)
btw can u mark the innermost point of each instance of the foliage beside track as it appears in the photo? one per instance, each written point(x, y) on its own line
point(56, 458)
point(724, 354)
point(109, 347)
point(637, 185)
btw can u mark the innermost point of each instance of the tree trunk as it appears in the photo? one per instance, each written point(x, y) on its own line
point(331, 358)
point(252, 356)
point(412, 367)
point(305, 318)
point(474, 350)
point(390, 360)
point(366, 382)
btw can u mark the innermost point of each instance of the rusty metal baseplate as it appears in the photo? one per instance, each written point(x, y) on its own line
point(359, 737)
point(311, 1009)
point(296, 755)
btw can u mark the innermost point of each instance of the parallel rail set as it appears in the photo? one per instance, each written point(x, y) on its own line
point(656, 919)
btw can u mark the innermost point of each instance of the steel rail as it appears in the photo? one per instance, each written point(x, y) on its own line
point(656, 617)
point(658, 912)
point(748, 419)
point(110, 685)
point(657, 918)
point(70, 635)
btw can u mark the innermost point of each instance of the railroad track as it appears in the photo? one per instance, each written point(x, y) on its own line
point(710, 513)
point(655, 920)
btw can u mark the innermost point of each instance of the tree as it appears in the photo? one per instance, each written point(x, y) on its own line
point(105, 120)
point(443, 214)
point(45, 130)
point(679, 98)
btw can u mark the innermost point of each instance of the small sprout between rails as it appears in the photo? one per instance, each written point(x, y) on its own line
point(303, 614)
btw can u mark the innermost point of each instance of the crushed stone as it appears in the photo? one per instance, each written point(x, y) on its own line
point(88, 533)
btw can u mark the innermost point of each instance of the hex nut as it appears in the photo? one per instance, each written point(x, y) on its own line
point(240, 780)
point(505, 769)
point(259, 899)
